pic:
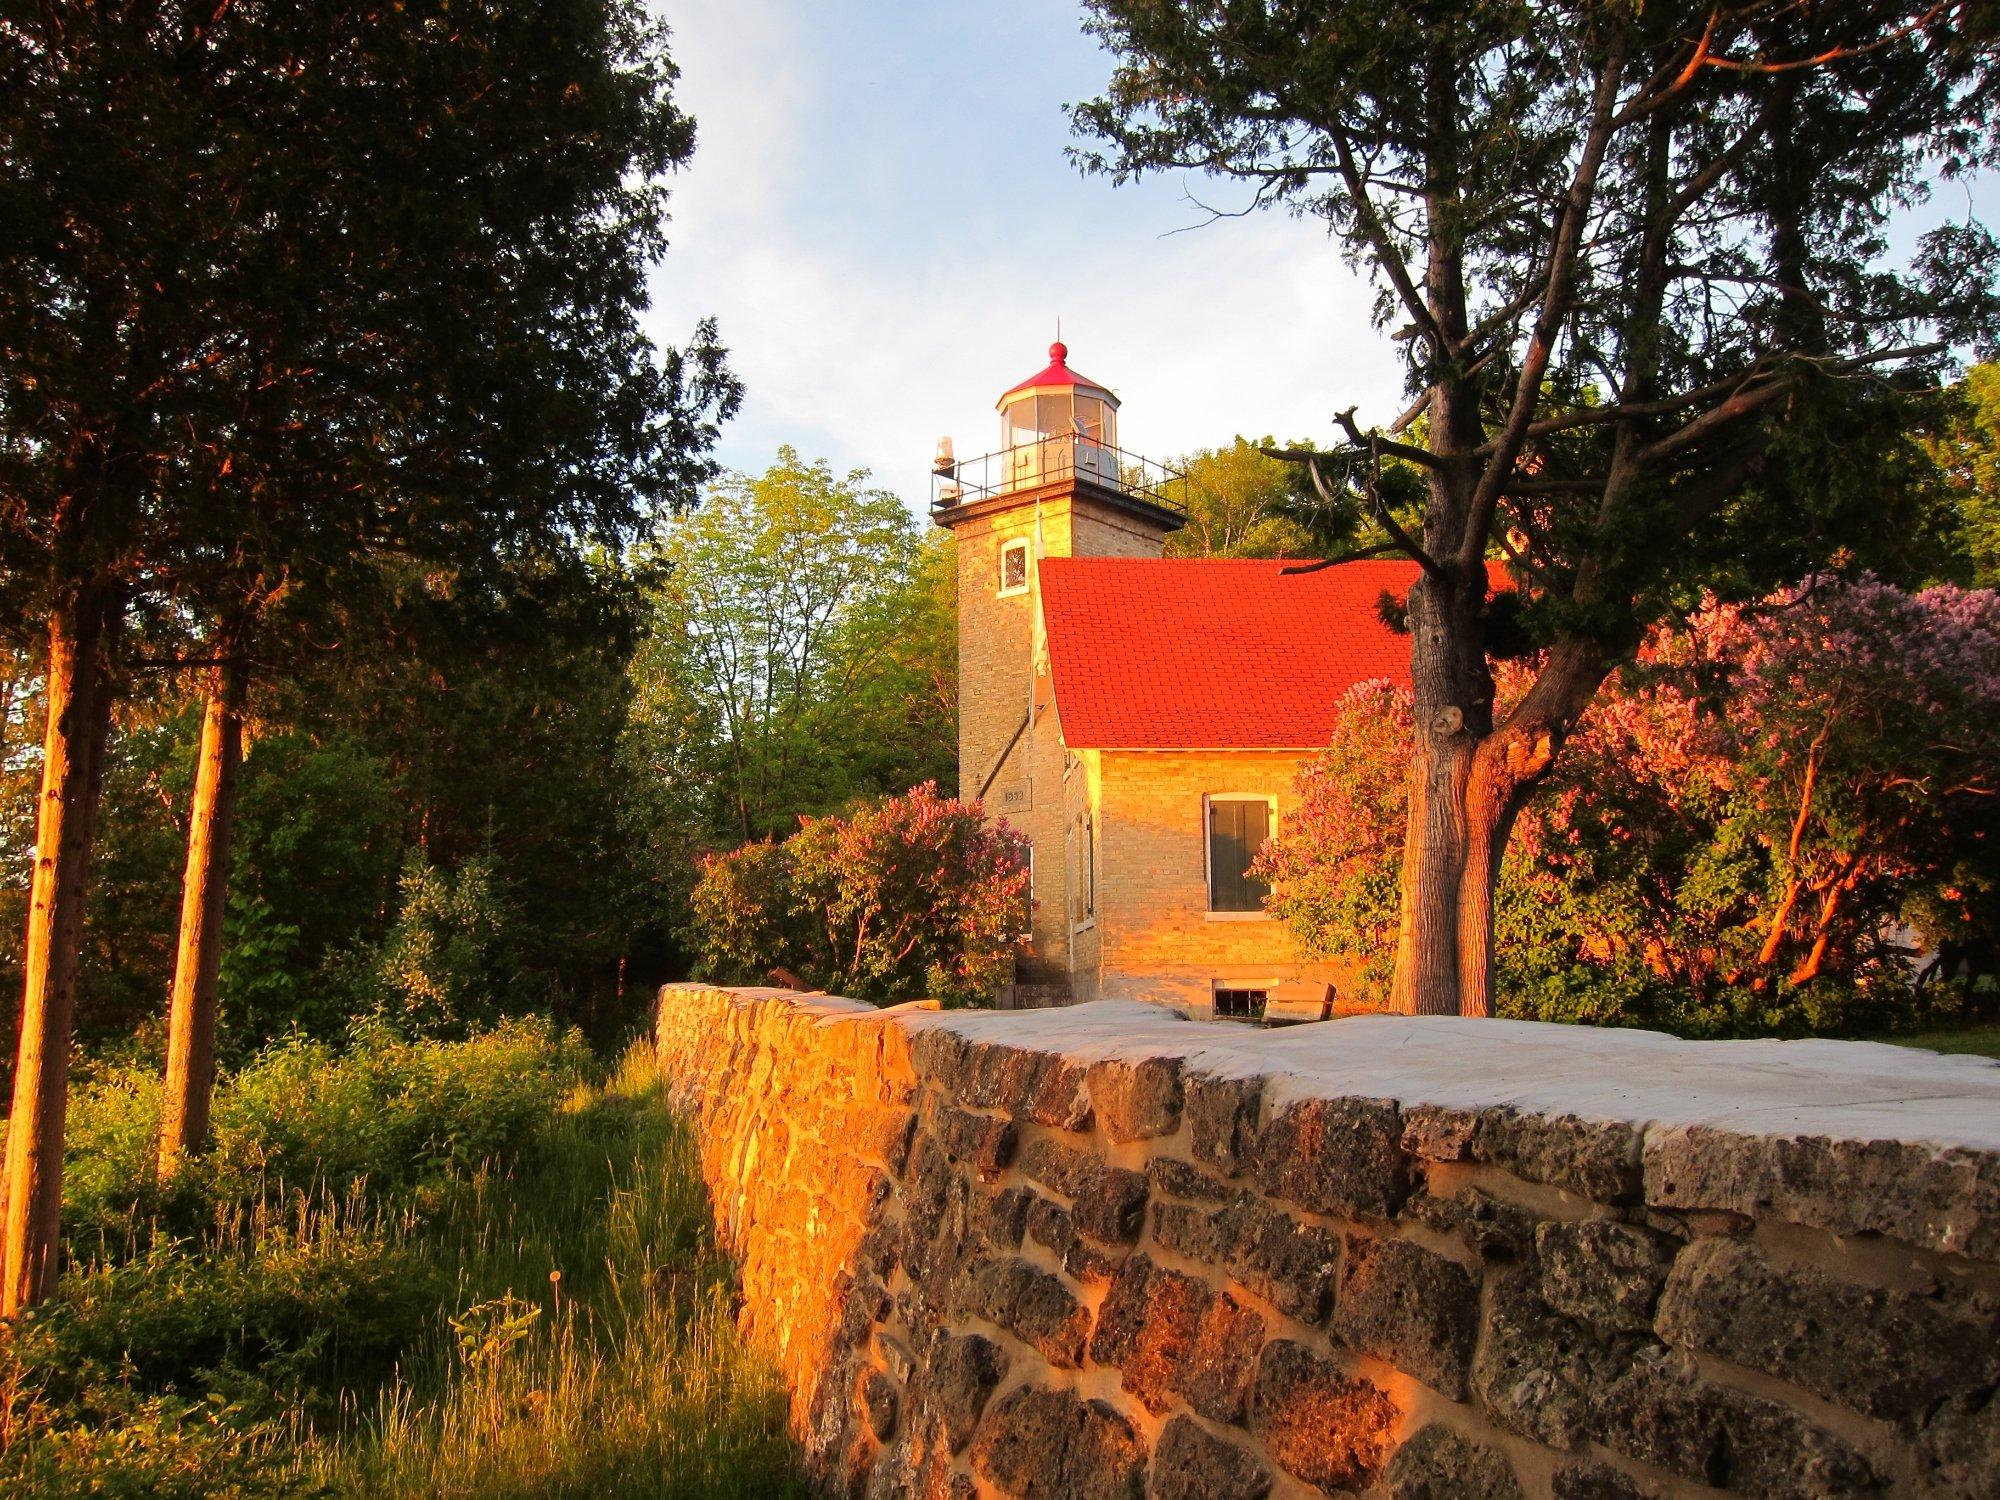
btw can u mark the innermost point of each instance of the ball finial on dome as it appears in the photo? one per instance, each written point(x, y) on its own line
point(1059, 351)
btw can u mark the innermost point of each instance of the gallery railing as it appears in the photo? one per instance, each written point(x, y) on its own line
point(1056, 460)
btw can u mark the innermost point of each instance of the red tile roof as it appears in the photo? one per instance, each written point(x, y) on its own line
point(1213, 654)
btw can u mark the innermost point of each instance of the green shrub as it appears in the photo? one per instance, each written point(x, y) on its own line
point(303, 1115)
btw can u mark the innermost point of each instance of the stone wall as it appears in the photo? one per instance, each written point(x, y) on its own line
point(1101, 1251)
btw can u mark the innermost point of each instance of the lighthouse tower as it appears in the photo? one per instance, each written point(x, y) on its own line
point(1057, 486)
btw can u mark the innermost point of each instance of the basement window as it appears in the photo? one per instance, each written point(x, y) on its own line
point(1238, 825)
point(1014, 568)
point(1240, 1005)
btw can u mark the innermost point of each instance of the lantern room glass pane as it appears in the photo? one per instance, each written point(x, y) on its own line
point(1092, 419)
point(1017, 423)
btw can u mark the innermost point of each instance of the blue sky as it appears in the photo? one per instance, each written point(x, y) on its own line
point(881, 216)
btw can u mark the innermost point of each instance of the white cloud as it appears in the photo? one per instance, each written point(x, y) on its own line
point(877, 287)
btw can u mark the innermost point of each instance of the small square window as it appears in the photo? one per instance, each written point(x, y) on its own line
point(1240, 1005)
point(1014, 567)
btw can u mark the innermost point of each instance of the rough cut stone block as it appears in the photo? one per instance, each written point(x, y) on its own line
point(884, 1133)
point(878, 1399)
point(1191, 1463)
point(1887, 1354)
point(941, 1056)
point(1136, 1101)
point(1599, 1160)
point(962, 1371)
point(1438, 1464)
point(1598, 1481)
point(1960, 1447)
point(1146, 1328)
point(1216, 1376)
point(1940, 1200)
point(1536, 1372)
point(1053, 1225)
point(1030, 1304)
point(1044, 1087)
point(1410, 1308)
point(1052, 1445)
point(1605, 1274)
point(1181, 1179)
point(1661, 1412)
point(984, 1142)
point(1336, 1156)
point(1288, 1263)
point(998, 1219)
point(1108, 1203)
point(1222, 1114)
point(1328, 1428)
point(1496, 1229)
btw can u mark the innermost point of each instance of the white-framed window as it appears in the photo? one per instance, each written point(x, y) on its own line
point(1089, 865)
point(1014, 567)
point(1235, 826)
point(1083, 870)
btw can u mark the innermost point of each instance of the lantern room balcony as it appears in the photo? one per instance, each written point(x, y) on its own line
point(1060, 459)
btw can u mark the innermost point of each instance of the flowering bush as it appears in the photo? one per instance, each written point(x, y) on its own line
point(1335, 871)
point(909, 896)
point(1750, 832)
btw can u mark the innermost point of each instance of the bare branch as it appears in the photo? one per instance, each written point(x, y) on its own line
point(1385, 248)
point(1541, 343)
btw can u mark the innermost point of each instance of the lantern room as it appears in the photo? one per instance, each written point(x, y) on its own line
point(1056, 426)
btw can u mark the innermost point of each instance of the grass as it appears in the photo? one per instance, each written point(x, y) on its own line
point(595, 1351)
point(1982, 1041)
point(553, 1319)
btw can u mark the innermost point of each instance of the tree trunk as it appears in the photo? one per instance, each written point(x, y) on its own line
point(1452, 692)
point(1463, 802)
point(78, 697)
point(190, 1078)
point(1468, 784)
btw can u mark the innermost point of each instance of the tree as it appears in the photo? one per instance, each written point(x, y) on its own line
point(800, 650)
point(285, 287)
point(1637, 261)
point(1965, 446)
point(1332, 866)
point(1239, 504)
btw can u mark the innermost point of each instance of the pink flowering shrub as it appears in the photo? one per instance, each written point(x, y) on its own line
point(1751, 830)
point(911, 896)
point(1336, 865)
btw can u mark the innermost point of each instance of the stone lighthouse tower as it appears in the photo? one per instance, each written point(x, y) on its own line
point(1057, 486)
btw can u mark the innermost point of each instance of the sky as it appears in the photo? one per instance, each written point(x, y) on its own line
point(882, 219)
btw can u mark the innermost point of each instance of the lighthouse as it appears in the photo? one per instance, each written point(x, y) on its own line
point(1058, 485)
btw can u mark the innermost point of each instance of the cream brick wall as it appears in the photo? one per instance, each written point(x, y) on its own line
point(998, 670)
point(1157, 939)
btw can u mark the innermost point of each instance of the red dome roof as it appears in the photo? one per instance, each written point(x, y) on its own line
point(1058, 374)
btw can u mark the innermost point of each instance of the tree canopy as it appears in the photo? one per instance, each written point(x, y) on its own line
point(802, 650)
point(1639, 263)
